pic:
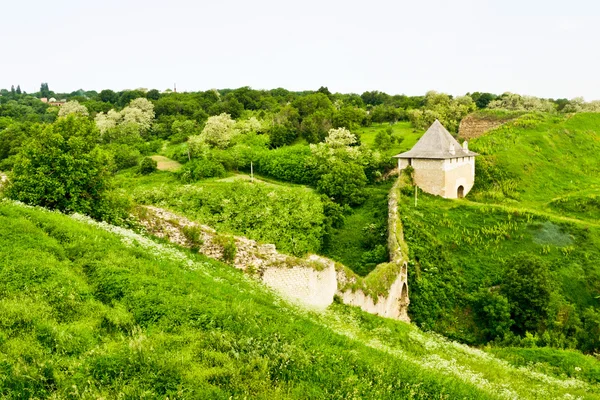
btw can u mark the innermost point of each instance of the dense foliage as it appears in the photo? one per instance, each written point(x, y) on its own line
point(62, 167)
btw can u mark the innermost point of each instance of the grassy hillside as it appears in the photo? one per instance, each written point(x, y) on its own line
point(89, 310)
point(290, 216)
point(402, 129)
point(542, 161)
point(536, 195)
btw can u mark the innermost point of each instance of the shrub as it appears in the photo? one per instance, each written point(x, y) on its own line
point(200, 169)
point(193, 234)
point(229, 247)
point(147, 166)
point(344, 183)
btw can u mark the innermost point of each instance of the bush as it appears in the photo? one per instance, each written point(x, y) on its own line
point(193, 234)
point(492, 313)
point(229, 247)
point(528, 287)
point(147, 166)
point(200, 169)
point(124, 156)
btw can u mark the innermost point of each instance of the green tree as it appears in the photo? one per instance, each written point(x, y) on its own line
point(527, 285)
point(108, 96)
point(153, 94)
point(344, 183)
point(492, 312)
point(63, 168)
point(18, 89)
point(383, 140)
point(44, 90)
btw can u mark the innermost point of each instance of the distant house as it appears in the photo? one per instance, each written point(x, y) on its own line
point(441, 165)
point(53, 102)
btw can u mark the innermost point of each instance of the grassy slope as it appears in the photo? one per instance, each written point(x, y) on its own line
point(88, 313)
point(550, 157)
point(290, 216)
point(542, 158)
point(401, 129)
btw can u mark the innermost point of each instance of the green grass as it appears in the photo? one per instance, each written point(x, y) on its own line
point(401, 129)
point(90, 311)
point(458, 246)
point(289, 216)
point(538, 158)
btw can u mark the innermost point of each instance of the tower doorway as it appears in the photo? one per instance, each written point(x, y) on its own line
point(460, 193)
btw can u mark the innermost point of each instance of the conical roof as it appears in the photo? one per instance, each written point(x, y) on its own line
point(436, 143)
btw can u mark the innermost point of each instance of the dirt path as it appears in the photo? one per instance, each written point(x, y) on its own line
point(166, 164)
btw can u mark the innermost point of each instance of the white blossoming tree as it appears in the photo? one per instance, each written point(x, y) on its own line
point(73, 107)
point(218, 131)
point(137, 116)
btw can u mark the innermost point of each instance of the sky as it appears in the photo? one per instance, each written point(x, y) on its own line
point(542, 48)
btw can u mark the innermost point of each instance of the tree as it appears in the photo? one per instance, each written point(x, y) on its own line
point(528, 286)
point(108, 96)
point(344, 183)
point(350, 117)
point(63, 168)
point(153, 94)
point(492, 312)
point(44, 90)
point(139, 112)
point(18, 89)
point(516, 102)
point(218, 131)
point(73, 107)
point(340, 137)
point(383, 140)
point(12, 90)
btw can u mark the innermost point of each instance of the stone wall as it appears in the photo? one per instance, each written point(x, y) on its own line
point(459, 172)
point(429, 176)
point(312, 281)
point(475, 125)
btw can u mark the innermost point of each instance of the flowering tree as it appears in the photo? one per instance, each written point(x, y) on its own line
point(340, 137)
point(73, 107)
point(137, 116)
point(516, 102)
point(444, 108)
point(218, 131)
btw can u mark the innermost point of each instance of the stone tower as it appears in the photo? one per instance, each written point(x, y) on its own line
point(442, 166)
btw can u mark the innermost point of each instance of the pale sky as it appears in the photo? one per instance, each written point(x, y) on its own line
point(544, 48)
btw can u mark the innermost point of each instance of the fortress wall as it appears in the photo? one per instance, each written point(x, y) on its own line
point(394, 305)
point(459, 171)
point(311, 281)
point(302, 284)
point(429, 176)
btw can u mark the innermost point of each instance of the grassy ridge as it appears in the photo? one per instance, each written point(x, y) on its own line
point(290, 216)
point(89, 313)
point(537, 158)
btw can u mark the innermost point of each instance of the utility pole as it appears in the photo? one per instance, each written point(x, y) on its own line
point(416, 196)
point(251, 173)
